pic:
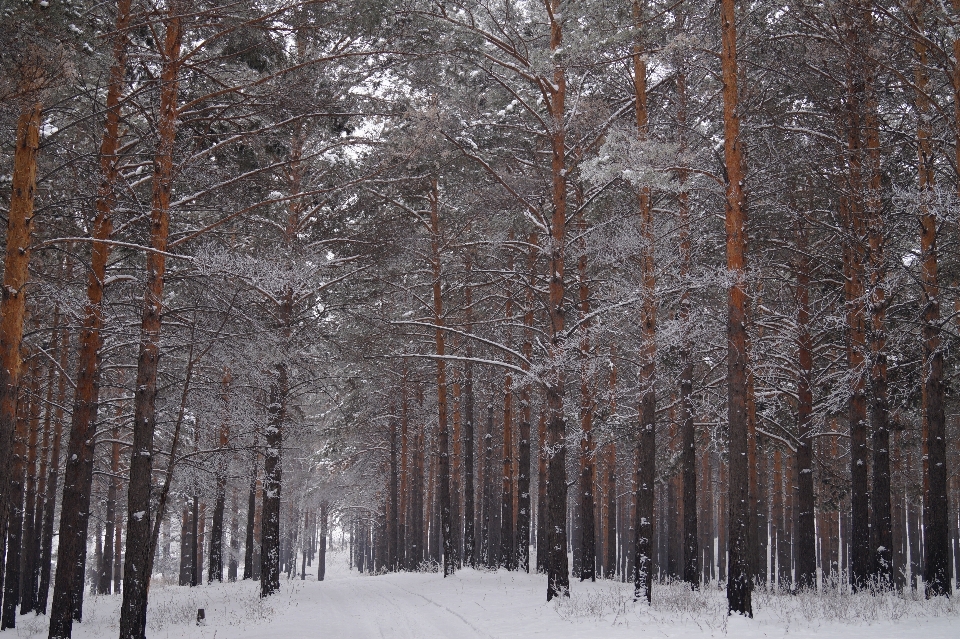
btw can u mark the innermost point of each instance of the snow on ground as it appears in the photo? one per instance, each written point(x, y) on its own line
point(476, 604)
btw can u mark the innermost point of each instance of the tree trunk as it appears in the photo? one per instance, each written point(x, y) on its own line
point(403, 538)
point(853, 260)
point(456, 473)
point(133, 611)
point(13, 299)
point(805, 547)
point(106, 567)
point(485, 529)
point(688, 454)
point(270, 522)
point(215, 572)
point(322, 544)
point(232, 564)
point(936, 535)
point(44, 459)
point(393, 503)
point(644, 526)
point(588, 466)
point(78, 472)
point(739, 581)
point(443, 436)
point(50, 500)
point(558, 574)
point(28, 587)
point(542, 493)
point(18, 466)
point(469, 483)
point(251, 516)
point(523, 476)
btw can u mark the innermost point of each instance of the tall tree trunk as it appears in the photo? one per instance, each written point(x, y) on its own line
point(485, 529)
point(251, 516)
point(881, 523)
point(50, 498)
point(215, 572)
point(469, 483)
point(272, 469)
point(507, 550)
point(28, 584)
point(558, 573)
point(18, 467)
point(44, 459)
point(806, 554)
point(393, 503)
point(105, 573)
point(588, 465)
point(403, 538)
point(936, 535)
point(78, 472)
point(644, 526)
point(542, 492)
point(688, 455)
point(456, 472)
point(133, 611)
point(523, 476)
point(443, 436)
point(13, 302)
point(232, 564)
point(322, 544)
point(15, 276)
point(739, 581)
point(853, 260)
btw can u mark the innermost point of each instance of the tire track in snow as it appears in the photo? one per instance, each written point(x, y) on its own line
point(456, 614)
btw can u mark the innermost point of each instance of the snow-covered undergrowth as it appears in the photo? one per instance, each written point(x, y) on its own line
point(674, 605)
point(479, 603)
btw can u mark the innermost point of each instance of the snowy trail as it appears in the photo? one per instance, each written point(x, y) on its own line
point(362, 608)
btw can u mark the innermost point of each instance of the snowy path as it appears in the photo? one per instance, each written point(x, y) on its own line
point(472, 605)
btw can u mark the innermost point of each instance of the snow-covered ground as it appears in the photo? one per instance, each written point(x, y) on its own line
point(502, 604)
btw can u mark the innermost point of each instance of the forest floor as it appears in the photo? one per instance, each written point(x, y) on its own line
point(476, 604)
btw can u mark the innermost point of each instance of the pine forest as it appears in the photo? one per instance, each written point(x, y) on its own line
point(480, 318)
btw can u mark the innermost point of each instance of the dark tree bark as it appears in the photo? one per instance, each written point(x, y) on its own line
point(558, 571)
point(644, 528)
point(523, 474)
point(936, 534)
point(542, 493)
point(486, 552)
point(403, 538)
point(196, 564)
point(443, 435)
point(393, 502)
point(588, 466)
point(13, 298)
point(688, 455)
point(133, 610)
point(18, 466)
point(853, 260)
point(78, 472)
point(805, 547)
point(105, 575)
point(251, 517)
point(469, 482)
point(50, 496)
point(232, 564)
point(739, 574)
point(270, 522)
point(322, 544)
point(215, 572)
point(28, 577)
